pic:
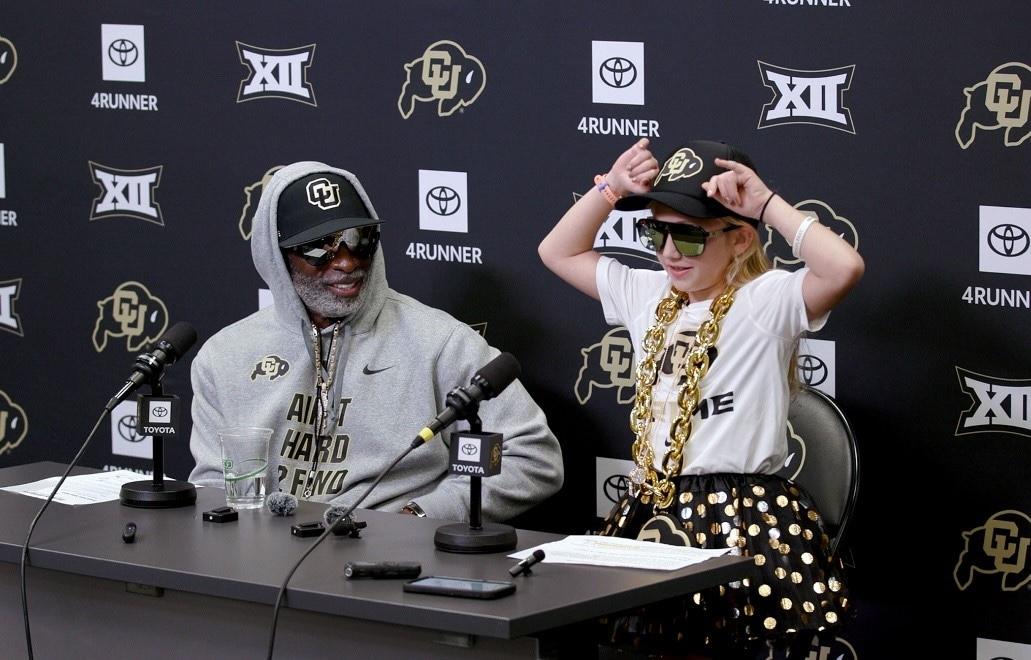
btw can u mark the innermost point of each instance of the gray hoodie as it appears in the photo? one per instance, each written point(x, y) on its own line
point(397, 361)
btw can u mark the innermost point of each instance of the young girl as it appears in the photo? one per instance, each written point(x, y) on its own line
point(714, 333)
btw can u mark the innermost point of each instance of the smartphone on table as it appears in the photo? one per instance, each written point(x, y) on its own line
point(460, 587)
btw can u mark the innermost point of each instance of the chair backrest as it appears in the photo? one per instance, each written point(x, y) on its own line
point(823, 458)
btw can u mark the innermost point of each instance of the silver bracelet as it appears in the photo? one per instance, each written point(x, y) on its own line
point(796, 244)
point(414, 509)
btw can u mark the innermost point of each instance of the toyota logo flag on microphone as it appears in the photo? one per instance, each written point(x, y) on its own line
point(477, 454)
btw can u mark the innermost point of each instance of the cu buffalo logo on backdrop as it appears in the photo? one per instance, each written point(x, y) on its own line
point(9, 320)
point(607, 364)
point(1000, 546)
point(276, 73)
point(807, 97)
point(14, 424)
point(779, 250)
point(251, 195)
point(444, 74)
point(271, 367)
point(133, 312)
point(126, 193)
point(8, 59)
point(1002, 100)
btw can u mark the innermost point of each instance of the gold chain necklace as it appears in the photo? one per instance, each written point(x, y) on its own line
point(643, 476)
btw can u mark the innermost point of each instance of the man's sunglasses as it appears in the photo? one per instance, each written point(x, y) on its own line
point(361, 242)
point(688, 239)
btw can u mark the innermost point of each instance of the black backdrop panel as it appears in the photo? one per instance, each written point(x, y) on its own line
point(902, 125)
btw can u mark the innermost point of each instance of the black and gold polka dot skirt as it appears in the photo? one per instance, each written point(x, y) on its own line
point(798, 590)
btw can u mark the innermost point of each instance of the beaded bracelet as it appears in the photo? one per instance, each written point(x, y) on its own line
point(605, 189)
point(796, 244)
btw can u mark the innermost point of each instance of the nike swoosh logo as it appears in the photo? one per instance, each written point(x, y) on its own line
point(369, 372)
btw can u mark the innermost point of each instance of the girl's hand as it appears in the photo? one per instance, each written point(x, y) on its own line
point(739, 188)
point(634, 170)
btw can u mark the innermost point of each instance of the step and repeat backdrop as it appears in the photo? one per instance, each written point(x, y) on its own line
point(135, 138)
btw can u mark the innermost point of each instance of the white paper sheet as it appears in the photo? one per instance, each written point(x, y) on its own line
point(628, 553)
point(81, 489)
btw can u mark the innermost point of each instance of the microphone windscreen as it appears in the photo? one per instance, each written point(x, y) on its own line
point(281, 504)
point(181, 337)
point(332, 514)
point(498, 374)
point(538, 554)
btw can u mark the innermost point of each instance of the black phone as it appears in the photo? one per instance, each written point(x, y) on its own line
point(461, 587)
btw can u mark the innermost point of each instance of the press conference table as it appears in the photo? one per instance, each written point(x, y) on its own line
point(189, 588)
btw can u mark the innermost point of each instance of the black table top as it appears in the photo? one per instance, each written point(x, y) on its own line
point(248, 559)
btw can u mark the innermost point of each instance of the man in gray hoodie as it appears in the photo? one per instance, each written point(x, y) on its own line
point(346, 371)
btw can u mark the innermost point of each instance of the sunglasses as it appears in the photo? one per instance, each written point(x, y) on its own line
point(361, 242)
point(688, 239)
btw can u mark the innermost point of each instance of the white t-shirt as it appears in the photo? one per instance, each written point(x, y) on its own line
point(740, 423)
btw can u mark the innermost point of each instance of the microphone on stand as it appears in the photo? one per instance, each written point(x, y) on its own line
point(149, 366)
point(490, 381)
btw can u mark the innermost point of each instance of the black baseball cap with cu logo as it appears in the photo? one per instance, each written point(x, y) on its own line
point(679, 182)
point(316, 205)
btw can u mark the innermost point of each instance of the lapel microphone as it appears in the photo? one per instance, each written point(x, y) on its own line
point(523, 567)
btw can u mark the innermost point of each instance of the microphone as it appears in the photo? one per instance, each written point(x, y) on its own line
point(485, 384)
point(524, 565)
point(176, 342)
point(281, 504)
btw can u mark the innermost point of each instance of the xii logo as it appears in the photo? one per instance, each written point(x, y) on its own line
point(281, 74)
point(126, 193)
point(807, 97)
point(10, 321)
point(1001, 405)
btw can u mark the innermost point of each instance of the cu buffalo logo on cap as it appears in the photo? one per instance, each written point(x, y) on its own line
point(683, 164)
point(271, 367)
point(8, 60)
point(444, 74)
point(133, 312)
point(323, 194)
point(1008, 240)
point(997, 548)
point(618, 72)
point(443, 200)
point(14, 424)
point(1002, 100)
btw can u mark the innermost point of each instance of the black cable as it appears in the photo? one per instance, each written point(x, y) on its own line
point(32, 526)
point(344, 516)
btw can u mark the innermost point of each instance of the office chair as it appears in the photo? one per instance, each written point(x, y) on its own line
point(823, 458)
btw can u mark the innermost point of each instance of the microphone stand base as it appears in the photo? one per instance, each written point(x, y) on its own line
point(167, 495)
point(462, 538)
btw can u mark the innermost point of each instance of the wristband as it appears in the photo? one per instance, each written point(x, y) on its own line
point(765, 204)
point(796, 244)
point(605, 189)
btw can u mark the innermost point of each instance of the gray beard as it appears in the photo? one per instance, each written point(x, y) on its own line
point(317, 298)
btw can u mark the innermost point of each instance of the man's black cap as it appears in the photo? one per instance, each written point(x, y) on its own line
point(679, 183)
point(316, 205)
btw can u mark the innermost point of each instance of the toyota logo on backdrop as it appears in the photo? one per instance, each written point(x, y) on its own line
point(618, 72)
point(812, 370)
point(443, 200)
point(1008, 240)
point(123, 52)
point(127, 429)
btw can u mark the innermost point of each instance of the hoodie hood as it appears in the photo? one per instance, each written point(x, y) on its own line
point(268, 258)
